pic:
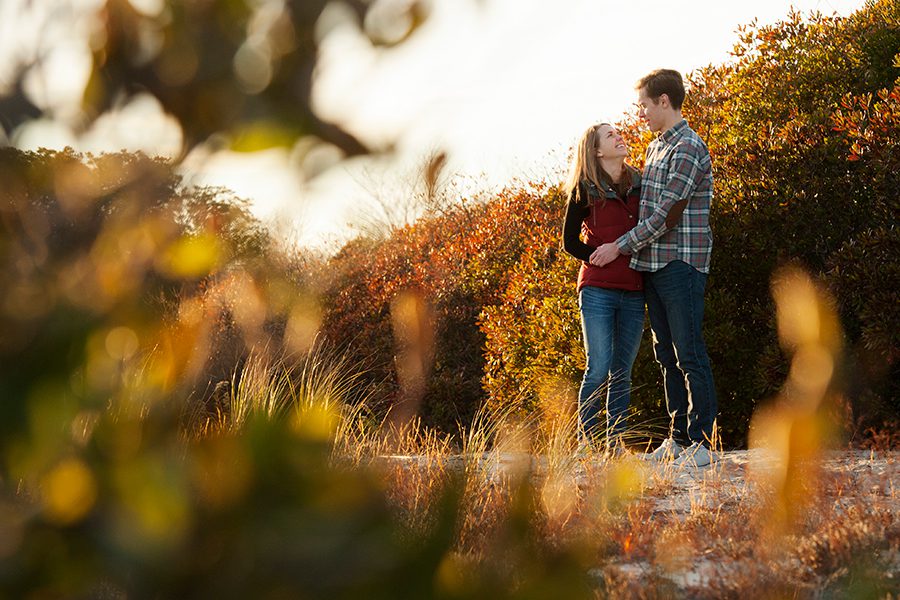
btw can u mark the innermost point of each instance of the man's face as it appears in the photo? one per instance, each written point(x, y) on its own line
point(651, 111)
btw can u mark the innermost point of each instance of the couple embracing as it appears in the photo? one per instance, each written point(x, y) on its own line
point(647, 241)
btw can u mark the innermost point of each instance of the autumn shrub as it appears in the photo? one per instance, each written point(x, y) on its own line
point(459, 262)
point(120, 280)
point(866, 275)
point(864, 270)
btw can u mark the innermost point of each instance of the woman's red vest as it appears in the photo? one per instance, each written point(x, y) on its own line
point(606, 222)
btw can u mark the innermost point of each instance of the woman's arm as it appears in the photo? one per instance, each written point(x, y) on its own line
point(571, 233)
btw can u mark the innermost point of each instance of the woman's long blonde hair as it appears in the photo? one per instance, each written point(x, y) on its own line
point(586, 164)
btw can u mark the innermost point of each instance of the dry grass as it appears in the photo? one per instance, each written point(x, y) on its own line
point(653, 531)
point(523, 491)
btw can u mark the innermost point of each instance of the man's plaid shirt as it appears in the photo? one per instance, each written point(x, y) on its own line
point(677, 167)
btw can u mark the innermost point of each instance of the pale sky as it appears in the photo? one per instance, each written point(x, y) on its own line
point(504, 86)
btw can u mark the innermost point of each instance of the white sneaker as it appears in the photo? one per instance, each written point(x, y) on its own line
point(695, 455)
point(668, 450)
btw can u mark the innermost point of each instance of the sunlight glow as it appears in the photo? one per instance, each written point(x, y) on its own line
point(140, 125)
point(529, 75)
point(507, 98)
point(503, 86)
point(59, 82)
point(43, 133)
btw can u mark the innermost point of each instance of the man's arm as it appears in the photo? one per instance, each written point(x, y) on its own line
point(610, 251)
point(685, 173)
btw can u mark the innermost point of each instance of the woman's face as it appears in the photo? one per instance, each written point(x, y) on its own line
point(610, 143)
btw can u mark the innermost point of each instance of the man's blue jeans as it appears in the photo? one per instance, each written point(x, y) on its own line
point(675, 307)
point(612, 322)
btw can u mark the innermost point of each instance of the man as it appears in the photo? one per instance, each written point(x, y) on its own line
point(671, 245)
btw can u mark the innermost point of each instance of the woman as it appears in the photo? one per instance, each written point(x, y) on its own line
point(604, 194)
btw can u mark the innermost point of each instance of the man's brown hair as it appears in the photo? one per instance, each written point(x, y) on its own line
point(663, 81)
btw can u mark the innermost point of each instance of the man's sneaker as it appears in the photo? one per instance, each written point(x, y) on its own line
point(668, 450)
point(695, 455)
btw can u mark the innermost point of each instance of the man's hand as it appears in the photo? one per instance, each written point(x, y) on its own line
point(605, 254)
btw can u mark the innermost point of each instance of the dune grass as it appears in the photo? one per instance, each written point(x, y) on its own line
point(526, 494)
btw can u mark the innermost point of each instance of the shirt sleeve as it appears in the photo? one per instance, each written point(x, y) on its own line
point(686, 170)
point(571, 235)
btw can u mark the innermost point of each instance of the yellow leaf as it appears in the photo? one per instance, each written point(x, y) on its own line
point(193, 256)
point(68, 492)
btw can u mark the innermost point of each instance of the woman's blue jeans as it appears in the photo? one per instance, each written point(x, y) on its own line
point(675, 308)
point(612, 322)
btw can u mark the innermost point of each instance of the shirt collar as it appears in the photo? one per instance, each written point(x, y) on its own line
point(673, 132)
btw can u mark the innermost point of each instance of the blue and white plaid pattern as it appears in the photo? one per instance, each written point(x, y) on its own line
point(677, 167)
